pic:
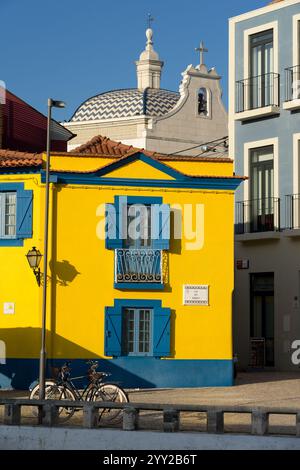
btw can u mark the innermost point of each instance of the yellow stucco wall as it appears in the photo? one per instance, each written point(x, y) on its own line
point(81, 273)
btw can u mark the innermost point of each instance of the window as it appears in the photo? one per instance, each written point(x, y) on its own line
point(261, 82)
point(203, 96)
point(137, 338)
point(137, 328)
point(139, 226)
point(262, 188)
point(8, 214)
point(152, 227)
point(15, 214)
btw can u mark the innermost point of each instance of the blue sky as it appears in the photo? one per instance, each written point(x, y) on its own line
point(74, 49)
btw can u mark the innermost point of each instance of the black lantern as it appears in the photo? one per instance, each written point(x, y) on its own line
point(34, 257)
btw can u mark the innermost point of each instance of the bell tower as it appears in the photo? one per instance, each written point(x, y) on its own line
point(149, 66)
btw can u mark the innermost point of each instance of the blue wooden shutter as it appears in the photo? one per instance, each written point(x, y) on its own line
point(113, 332)
point(113, 238)
point(161, 225)
point(24, 214)
point(162, 332)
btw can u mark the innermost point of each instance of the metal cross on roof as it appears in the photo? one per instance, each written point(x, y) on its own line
point(150, 20)
point(201, 49)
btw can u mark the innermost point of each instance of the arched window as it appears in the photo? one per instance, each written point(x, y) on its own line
point(203, 102)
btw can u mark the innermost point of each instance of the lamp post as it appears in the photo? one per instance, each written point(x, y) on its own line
point(51, 104)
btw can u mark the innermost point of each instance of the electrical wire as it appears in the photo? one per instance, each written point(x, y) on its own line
point(199, 145)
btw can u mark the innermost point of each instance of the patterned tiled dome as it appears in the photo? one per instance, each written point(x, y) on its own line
point(126, 103)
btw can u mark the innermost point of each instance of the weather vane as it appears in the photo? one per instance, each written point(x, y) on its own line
point(150, 20)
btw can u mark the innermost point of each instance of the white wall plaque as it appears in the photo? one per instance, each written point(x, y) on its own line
point(195, 294)
point(8, 308)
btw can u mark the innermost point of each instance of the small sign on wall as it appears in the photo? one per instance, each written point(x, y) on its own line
point(195, 294)
point(242, 264)
point(8, 308)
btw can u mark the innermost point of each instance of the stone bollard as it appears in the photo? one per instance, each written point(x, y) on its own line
point(90, 417)
point(171, 420)
point(12, 415)
point(298, 424)
point(130, 419)
point(215, 422)
point(50, 414)
point(259, 421)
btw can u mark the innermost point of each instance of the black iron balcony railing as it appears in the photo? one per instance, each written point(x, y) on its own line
point(258, 92)
point(138, 265)
point(257, 215)
point(292, 211)
point(292, 83)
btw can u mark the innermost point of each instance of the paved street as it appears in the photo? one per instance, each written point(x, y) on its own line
point(259, 389)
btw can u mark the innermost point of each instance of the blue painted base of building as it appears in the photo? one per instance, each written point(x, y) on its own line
point(129, 372)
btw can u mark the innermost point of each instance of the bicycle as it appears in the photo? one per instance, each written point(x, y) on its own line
point(61, 387)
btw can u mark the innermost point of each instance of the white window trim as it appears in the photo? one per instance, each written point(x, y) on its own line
point(267, 110)
point(296, 156)
point(294, 103)
point(248, 146)
point(259, 29)
point(2, 217)
point(296, 40)
point(296, 182)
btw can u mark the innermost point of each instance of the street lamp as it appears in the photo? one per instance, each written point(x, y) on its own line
point(51, 104)
point(34, 257)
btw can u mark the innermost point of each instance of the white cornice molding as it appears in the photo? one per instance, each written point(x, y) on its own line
point(261, 11)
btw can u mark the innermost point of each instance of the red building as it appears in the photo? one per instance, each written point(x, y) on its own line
point(24, 128)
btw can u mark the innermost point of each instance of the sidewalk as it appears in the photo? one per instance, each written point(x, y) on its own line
point(268, 389)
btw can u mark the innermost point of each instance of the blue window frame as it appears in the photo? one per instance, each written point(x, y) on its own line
point(137, 331)
point(158, 216)
point(138, 229)
point(137, 328)
point(15, 214)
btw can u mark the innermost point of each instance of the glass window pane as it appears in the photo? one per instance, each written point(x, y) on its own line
point(8, 209)
point(144, 331)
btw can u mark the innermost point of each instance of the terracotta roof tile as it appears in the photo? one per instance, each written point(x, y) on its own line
point(12, 158)
point(100, 145)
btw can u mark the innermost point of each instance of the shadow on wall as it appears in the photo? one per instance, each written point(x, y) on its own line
point(21, 372)
point(65, 272)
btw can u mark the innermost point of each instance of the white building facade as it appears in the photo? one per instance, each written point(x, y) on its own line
point(150, 117)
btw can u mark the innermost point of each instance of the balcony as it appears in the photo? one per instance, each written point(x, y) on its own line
point(292, 215)
point(138, 268)
point(258, 97)
point(258, 219)
point(292, 88)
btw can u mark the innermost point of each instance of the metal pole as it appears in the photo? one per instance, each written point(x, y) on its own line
point(44, 307)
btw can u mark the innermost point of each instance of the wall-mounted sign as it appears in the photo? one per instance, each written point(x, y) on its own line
point(195, 294)
point(8, 308)
point(242, 264)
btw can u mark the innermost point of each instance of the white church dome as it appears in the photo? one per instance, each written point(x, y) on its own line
point(126, 103)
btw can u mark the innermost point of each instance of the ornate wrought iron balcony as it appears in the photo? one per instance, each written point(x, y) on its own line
point(138, 265)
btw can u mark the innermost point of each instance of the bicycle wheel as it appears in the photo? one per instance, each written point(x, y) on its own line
point(55, 392)
point(110, 392)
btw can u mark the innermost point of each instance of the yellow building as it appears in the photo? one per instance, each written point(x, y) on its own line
point(140, 265)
